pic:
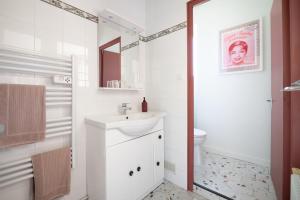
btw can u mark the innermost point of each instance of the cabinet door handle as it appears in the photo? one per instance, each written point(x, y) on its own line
point(157, 163)
point(131, 173)
point(138, 168)
point(159, 137)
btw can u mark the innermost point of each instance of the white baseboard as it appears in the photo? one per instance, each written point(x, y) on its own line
point(251, 159)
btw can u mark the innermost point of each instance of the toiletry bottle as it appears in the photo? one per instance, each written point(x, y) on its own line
point(144, 105)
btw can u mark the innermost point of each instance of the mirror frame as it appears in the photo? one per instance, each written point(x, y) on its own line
point(101, 50)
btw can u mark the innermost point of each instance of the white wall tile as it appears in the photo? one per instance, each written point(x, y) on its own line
point(35, 25)
point(73, 35)
point(16, 34)
point(49, 35)
point(52, 27)
point(157, 8)
point(166, 90)
point(22, 11)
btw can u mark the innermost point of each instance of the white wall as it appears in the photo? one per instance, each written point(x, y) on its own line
point(232, 108)
point(166, 80)
point(133, 10)
point(37, 26)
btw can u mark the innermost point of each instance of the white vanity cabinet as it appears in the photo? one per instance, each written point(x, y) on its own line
point(122, 167)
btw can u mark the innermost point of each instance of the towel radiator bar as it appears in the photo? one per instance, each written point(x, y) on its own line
point(58, 96)
point(20, 62)
point(24, 62)
point(17, 171)
point(59, 127)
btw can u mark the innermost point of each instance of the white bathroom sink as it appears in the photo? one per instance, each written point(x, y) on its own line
point(133, 124)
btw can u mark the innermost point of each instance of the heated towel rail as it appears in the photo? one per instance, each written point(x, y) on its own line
point(19, 62)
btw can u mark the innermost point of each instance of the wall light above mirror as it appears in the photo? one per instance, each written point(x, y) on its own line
point(119, 53)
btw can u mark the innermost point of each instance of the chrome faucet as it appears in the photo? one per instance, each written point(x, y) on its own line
point(124, 108)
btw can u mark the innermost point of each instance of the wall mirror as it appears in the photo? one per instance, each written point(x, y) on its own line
point(119, 58)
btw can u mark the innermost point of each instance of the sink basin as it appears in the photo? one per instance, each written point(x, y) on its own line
point(133, 124)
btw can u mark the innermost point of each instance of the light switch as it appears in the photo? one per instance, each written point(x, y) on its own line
point(60, 79)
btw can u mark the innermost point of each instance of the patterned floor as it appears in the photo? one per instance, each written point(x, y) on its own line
point(169, 191)
point(234, 178)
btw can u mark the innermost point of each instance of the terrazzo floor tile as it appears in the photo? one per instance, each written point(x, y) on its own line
point(169, 191)
point(236, 179)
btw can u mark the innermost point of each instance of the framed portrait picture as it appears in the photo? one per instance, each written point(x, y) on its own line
point(241, 48)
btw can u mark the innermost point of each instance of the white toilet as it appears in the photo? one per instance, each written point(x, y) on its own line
point(199, 138)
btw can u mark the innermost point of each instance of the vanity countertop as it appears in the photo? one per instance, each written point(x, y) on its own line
point(133, 121)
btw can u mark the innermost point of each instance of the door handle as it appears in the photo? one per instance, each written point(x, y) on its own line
point(295, 86)
point(291, 89)
point(296, 83)
point(131, 173)
point(269, 100)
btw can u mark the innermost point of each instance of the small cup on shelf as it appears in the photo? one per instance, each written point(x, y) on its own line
point(109, 84)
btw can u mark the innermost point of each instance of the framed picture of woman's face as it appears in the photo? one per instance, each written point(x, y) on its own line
point(241, 48)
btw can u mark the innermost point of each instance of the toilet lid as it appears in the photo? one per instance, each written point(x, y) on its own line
point(199, 133)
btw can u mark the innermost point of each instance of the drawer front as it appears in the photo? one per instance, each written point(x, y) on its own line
point(114, 136)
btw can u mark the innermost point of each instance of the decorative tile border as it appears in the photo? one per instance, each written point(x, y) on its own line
point(129, 46)
point(164, 32)
point(143, 38)
point(72, 9)
point(156, 35)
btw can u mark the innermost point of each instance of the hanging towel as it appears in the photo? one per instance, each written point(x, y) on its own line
point(52, 174)
point(22, 114)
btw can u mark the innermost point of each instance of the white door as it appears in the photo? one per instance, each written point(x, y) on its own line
point(158, 156)
point(130, 169)
point(144, 163)
point(121, 172)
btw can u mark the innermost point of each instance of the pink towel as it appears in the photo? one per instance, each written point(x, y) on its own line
point(52, 174)
point(22, 114)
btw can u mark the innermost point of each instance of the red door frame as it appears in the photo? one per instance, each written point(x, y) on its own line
point(281, 108)
point(190, 92)
point(295, 75)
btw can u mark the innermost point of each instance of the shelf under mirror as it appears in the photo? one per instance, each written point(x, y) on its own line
point(121, 89)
